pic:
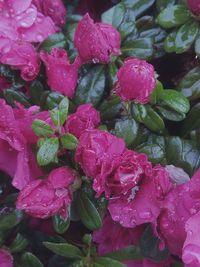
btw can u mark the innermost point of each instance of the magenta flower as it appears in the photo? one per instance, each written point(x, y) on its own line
point(6, 259)
point(62, 76)
point(4, 83)
point(96, 42)
point(52, 8)
point(86, 117)
point(194, 6)
point(144, 203)
point(95, 147)
point(136, 81)
point(112, 236)
point(45, 198)
point(122, 173)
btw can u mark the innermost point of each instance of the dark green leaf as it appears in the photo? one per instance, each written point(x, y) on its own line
point(126, 129)
point(108, 262)
point(170, 114)
point(128, 253)
point(69, 141)
point(192, 121)
point(30, 260)
point(114, 15)
point(112, 74)
point(162, 4)
point(156, 92)
point(139, 6)
point(190, 84)
point(10, 220)
point(64, 249)
point(19, 244)
point(13, 96)
point(186, 36)
point(173, 16)
point(47, 152)
point(57, 40)
point(36, 90)
point(60, 225)
point(169, 43)
point(88, 213)
point(53, 100)
point(197, 45)
point(155, 152)
point(41, 128)
point(59, 114)
point(110, 108)
point(91, 87)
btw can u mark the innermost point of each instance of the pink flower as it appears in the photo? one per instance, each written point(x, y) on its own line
point(112, 236)
point(45, 198)
point(95, 147)
point(86, 117)
point(20, 55)
point(144, 204)
point(62, 76)
point(52, 8)
point(178, 221)
point(122, 174)
point(6, 260)
point(194, 6)
point(136, 81)
point(96, 42)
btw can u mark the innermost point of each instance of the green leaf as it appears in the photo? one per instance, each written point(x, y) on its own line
point(140, 48)
point(170, 114)
point(59, 114)
point(19, 244)
point(128, 253)
point(88, 213)
point(114, 15)
point(36, 90)
point(186, 36)
point(53, 100)
point(155, 152)
point(108, 262)
point(30, 260)
point(64, 249)
point(174, 100)
point(47, 152)
point(173, 16)
point(91, 86)
point(146, 115)
point(41, 128)
point(190, 84)
point(162, 4)
point(60, 225)
point(192, 122)
point(10, 220)
point(112, 74)
point(156, 92)
point(139, 6)
point(13, 96)
point(56, 40)
point(169, 43)
point(197, 45)
point(126, 129)
point(110, 108)
point(69, 141)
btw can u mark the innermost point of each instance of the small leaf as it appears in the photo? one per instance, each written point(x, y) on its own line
point(41, 128)
point(36, 90)
point(169, 43)
point(139, 6)
point(197, 45)
point(47, 152)
point(64, 249)
point(10, 220)
point(53, 100)
point(69, 141)
point(155, 152)
point(88, 213)
point(59, 114)
point(60, 225)
point(162, 4)
point(56, 40)
point(128, 253)
point(30, 260)
point(192, 122)
point(110, 108)
point(173, 16)
point(19, 244)
point(13, 96)
point(170, 114)
point(108, 262)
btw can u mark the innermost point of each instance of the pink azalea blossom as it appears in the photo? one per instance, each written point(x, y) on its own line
point(112, 236)
point(45, 198)
point(145, 202)
point(136, 81)
point(95, 147)
point(62, 76)
point(194, 6)
point(86, 117)
point(6, 259)
point(96, 42)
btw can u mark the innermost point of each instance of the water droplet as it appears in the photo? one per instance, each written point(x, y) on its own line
point(145, 215)
point(39, 37)
point(23, 24)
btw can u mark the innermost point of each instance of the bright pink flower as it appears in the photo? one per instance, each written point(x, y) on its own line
point(6, 259)
point(86, 117)
point(112, 236)
point(95, 147)
point(136, 81)
point(96, 42)
point(20, 55)
point(122, 174)
point(145, 202)
point(194, 6)
point(45, 198)
point(52, 8)
point(179, 220)
point(62, 76)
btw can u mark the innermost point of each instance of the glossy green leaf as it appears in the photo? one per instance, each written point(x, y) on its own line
point(139, 6)
point(69, 141)
point(128, 253)
point(88, 213)
point(162, 4)
point(112, 74)
point(56, 40)
point(155, 152)
point(169, 43)
point(60, 225)
point(91, 86)
point(10, 219)
point(173, 16)
point(186, 36)
point(110, 108)
point(30, 260)
point(64, 249)
point(53, 100)
point(197, 45)
point(13, 96)
point(192, 122)
point(108, 262)
point(47, 152)
point(126, 129)
point(19, 244)
point(114, 15)
point(41, 128)
point(170, 114)
point(36, 90)
point(59, 114)
point(190, 84)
